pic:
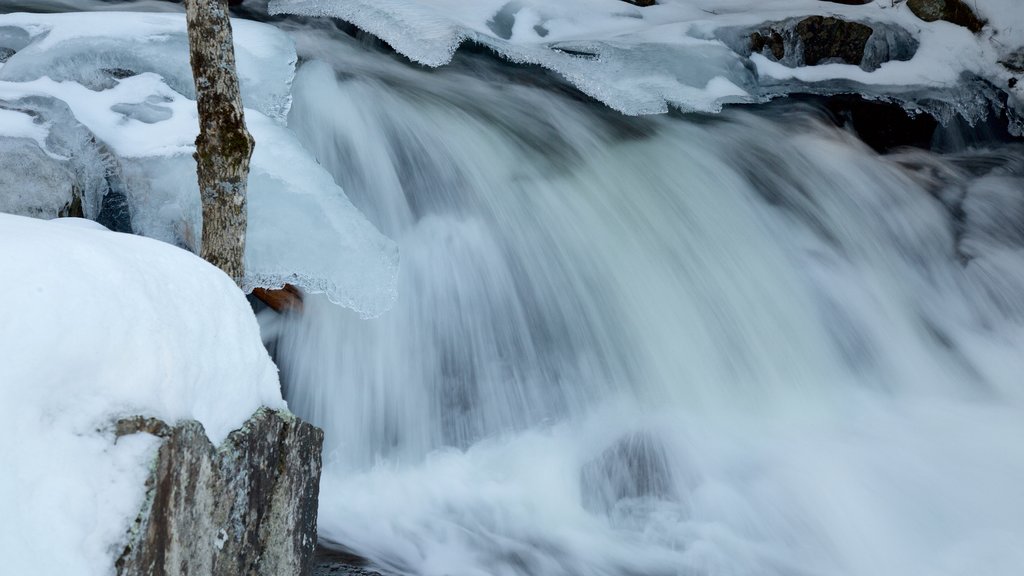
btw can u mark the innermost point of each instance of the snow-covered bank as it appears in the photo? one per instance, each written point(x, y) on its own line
point(681, 52)
point(102, 103)
point(97, 326)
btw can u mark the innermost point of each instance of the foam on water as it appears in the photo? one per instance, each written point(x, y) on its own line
point(734, 345)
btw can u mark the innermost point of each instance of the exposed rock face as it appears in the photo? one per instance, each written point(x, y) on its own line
point(246, 508)
point(954, 11)
point(641, 2)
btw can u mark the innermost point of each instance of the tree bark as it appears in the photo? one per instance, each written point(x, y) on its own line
point(224, 146)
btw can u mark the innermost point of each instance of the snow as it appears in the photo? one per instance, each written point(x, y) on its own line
point(642, 60)
point(302, 228)
point(85, 47)
point(99, 326)
point(20, 125)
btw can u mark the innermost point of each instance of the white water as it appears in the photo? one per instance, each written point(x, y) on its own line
point(742, 345)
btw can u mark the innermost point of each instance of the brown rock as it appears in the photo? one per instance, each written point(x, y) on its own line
point(280, 300)
point(827, 38)
point(954, 11)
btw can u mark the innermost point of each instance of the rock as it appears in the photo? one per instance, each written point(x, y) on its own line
point(285, 299)
point(5, 53)
point(884, 126)
point(823, 40)
point(828, 39)
point(641, 3)
point(954, 11)
point(635, 466)
point(329, 562)
point(1014, 61)
point(771, 39)
point(248, 507)
point(850, 2)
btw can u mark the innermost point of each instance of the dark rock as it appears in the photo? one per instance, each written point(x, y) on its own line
point(826, 39)
point(850, 2)
point(955, 11)
point(248, 507)
point(119, 73)
point(1012, 82)
point(884, 126)
point(5, 53)
point(641, 3)
point(328, 562)
point(772, 39)
point(1014, 61)
point(636, 466)
point(822, 40)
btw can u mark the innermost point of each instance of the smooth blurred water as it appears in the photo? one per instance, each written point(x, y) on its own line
point(734, 345)
point(742, 345)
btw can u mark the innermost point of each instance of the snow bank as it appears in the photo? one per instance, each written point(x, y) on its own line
point(96, 326)
point(125, 78)
point(641, 60)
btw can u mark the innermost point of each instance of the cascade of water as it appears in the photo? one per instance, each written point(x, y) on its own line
point(734, 345)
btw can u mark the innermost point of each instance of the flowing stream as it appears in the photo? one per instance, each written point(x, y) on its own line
point(733, 345)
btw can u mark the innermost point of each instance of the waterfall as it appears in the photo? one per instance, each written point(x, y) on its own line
point(742, 344)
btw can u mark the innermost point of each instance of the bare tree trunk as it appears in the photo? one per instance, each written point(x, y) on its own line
point(224, 146)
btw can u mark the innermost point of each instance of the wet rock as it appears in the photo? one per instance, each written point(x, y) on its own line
point(827, 39)
point(247, 507)
point(884, 126)
point(770, 39)
point(636, 466)
point(329, 562)
point(955, 11)
point(1014, 61)
point(824, 40)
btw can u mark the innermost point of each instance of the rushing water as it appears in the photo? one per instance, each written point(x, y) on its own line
point(742, 345)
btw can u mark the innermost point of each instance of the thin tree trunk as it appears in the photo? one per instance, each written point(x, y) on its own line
point(224, 146)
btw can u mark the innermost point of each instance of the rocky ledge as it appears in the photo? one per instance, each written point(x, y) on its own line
point(246, 507)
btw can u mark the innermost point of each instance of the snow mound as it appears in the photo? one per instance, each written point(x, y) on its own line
point(99, 326)
point(104, 100)
point(677, 53)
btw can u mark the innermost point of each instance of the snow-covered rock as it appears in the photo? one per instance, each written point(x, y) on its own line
point(246, 507)
point(108, 96)
point(678, 53)
point(98, 326)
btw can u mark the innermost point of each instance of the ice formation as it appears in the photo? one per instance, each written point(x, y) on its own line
point(101, 103)
point(676, 53)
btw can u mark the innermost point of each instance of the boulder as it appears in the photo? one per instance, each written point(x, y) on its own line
point(955, 11)
point(816, 40)
point(825, 38)
point(635, 466)
point(246, 507)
